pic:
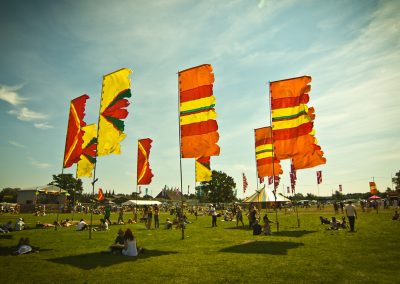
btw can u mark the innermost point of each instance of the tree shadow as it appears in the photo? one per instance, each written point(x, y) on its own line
point(244, 228)
point(89, 261)
point(275, 248)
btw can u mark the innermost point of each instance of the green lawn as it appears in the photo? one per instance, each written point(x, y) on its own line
point(224, 254)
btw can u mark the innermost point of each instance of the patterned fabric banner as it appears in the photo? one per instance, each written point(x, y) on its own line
point(88, 157)
point(203, 169)
point(144, 173)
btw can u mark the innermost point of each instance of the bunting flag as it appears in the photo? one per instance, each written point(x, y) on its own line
point(245, 184)
point(292, 123)
point(319, 177)
point(198, 124)
point(100, 195)
point(267, 165)
point(116, 88)
point(85, 165)
point(372, 187)
point(293, 177)
point(144, 173)
point(203, 169)
point(340, 188)
point(74, 139)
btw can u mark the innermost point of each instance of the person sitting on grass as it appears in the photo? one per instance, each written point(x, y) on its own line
point(396, 216)
point(256, 228)
point(324, 220)
point(66, 223)
point(20, 225)
point(168, 224)
point(343, 224)
point(81, 225)
point(267, 227)
point(118, 243)
point(334, 224)
point(130, 248)
point(24, 246)
point(44, 225)
point(103, 226)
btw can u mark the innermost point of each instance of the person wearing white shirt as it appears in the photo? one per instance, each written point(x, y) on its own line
point(351, 214)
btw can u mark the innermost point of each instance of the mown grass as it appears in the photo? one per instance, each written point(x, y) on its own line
point(226, 254)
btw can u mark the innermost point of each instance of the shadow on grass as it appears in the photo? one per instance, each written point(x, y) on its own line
point(296, 234)
point(97, 259)
point(245, 228)
point(6, 237)
point(275, 248)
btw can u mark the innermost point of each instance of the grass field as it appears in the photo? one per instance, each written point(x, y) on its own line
point(309, 253)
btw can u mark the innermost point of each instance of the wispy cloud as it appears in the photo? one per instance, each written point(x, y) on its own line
point(39, 165)
point(26, 114)
point(16, 144)
point(44, 125)
point(10, 95)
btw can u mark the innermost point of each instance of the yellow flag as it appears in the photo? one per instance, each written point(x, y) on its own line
point(87, 160)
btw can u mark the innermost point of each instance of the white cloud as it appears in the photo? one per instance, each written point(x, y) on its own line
point(10, 95)
point(16, 144)
point(44, 125)
point(26, 114)
point(39, 164)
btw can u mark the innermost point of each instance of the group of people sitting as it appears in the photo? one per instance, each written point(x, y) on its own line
point(125, 244)
point(334, 223)
point(8, 227)
point(266, 230)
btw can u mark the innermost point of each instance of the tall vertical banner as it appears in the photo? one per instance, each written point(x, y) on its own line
point(203, 169)
point(144, 173)
point(372, 187)
point(267, 165)
point(292, 123)
point(198, 124)
point(116, 90)
point(245, 184)
point(86, 164)
point(74, 137)
point(319, 177)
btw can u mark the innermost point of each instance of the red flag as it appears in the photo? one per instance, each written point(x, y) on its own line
point(319, 177)
point(267, 164)
point(270, 180)
point(261, 179)
point(245, 184)
point(372, 188)
point(74, 139)
point(100, 195)
point(144, 174)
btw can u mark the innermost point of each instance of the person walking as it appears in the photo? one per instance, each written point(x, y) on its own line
point(239, 216)
point(156, 217)
point(213, 216)
point(351, 214)
point(107, 214)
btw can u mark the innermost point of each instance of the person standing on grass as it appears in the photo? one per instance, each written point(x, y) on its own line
point(149, 217)
point(239, 216)
point(156, 215)
point(107, 214)
point(213, 216)
point(351, 214)
point(121, 216)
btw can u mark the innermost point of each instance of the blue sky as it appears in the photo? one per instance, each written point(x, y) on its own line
point(54, 51)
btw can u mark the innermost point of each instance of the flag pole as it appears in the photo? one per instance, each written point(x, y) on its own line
point(273, 158)
point(180, 159)
point(255, 158)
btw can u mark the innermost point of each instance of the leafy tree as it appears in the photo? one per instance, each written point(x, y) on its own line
point(298, 196)
point(396, 181)
point(219, 189)
point(9, 195)
point(337, 195)
point(68, 183)
point(311, 196)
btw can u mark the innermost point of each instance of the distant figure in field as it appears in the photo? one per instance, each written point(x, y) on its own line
point(351, 214)
point(149, 217)
point(119, 243)
point(213, 216)
point(81, 225)
point(130, 248)
point(324, 220)
point(335, 207)
point(343, 225)
point(20, 225)
point(107, 214)
point(395, 216)
point(267, 226)
point(257, 228)
point(121, 216)
point(156, 217)
point(252, 216)
point(168, 224)
point(239, 216)
point(334, 224)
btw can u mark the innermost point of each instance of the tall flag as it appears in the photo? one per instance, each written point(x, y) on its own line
point(74, 138)
point(267, 165)
point(319, 177)
point(245, 184)
point(100, 195)
point(292, 123)
point(340, 188)
point(144, 173)
point(116, 88)
point(372, 187)
point(198, 124)
point(203, 169)
point(85, 165)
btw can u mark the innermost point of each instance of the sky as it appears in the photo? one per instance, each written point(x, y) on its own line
point(54, 51)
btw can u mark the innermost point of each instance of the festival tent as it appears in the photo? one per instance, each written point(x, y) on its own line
point(265, 195)
point(374, 197)
point(141, 202)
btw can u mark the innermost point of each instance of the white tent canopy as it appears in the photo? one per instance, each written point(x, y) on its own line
point(141, 202)
point(265, 195)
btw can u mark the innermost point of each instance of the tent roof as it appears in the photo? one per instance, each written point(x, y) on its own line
point(43, 188)
point(141, 202)
point(265, 195)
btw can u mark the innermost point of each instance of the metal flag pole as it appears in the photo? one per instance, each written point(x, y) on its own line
point(180, 160)
point(255, 157)
point(273, 158)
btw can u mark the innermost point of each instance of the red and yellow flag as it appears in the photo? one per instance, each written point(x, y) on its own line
point(198, 124)
point(372, 187)
point(100, 195)
point(144, 174)
point(292, 123)
point(267, 165)
point(203, 169)
point(85, 165)
point(74, 140)
point(116, 88)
